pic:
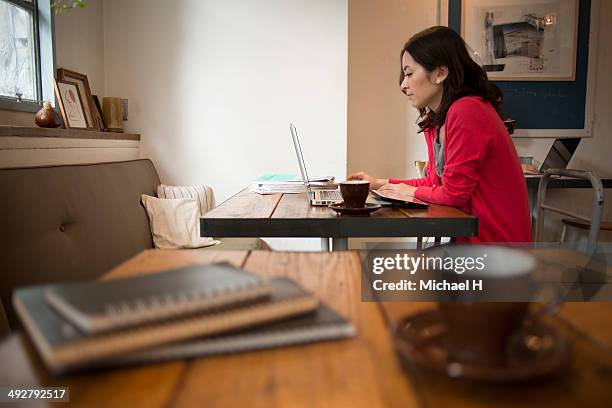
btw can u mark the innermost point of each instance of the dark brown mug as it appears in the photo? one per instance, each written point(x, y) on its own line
point(354, 193)
point(482, 332)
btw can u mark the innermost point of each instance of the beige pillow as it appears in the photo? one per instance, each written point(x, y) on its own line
point(175, 223)
point(200, 192)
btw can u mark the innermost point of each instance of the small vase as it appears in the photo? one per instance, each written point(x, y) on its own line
point(112, 108)
point(46, 117)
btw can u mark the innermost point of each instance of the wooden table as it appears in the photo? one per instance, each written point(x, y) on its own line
point(358, 372)
point(249, 214)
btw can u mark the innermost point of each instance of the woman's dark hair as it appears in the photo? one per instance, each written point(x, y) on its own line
point(442, 46)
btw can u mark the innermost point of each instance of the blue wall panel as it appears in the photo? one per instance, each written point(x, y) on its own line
point(545, 104)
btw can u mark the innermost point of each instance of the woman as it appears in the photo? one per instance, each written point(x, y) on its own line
point(473, 164)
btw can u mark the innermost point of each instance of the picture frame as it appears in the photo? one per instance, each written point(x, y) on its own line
point(99, 114)
point(82, 82)
point(543, 109)
point(523, 40)
point(70, 104)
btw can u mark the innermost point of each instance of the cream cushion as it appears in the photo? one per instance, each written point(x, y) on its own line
point(175, 222)
point(200, 192)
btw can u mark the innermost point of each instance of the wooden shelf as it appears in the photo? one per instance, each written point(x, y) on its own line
point(23, 131)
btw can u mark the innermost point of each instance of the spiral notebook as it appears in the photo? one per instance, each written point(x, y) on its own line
point(99, 306)
point(322, 325)
point(62, 347)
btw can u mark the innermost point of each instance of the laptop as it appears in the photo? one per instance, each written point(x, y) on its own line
point(558, 156)
point(315, 197)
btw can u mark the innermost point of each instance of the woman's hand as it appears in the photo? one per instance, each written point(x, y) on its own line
point(401, 188)
point(529, 169)
point(375, 183)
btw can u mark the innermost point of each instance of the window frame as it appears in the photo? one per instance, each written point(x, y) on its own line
point(44, 54)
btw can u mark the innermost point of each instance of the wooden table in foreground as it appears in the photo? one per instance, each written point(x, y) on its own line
point(358, 372)
point(248, 214)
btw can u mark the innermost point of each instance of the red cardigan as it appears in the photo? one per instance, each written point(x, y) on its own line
point(482, 174)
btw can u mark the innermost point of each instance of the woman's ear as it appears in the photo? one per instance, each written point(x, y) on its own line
point(440, 74)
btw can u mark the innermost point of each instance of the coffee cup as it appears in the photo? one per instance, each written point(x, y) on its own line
point(481, 332)
point(354, 193)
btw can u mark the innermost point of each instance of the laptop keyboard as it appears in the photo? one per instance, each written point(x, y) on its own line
point(330, 195)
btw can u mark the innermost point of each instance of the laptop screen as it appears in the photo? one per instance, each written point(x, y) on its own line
point(560, 154)
point(300, 156)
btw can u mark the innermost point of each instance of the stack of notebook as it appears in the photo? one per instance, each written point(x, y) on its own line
point(288, 184)
point(193, 311)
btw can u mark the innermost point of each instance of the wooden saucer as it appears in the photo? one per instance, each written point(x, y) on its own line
point(536, 352)
point(363, 211)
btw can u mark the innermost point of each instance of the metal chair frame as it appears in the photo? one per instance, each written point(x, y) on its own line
point(598, 202)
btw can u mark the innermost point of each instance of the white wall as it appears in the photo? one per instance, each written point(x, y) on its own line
point(382, 130)
point(212, 85)
point(79, 43)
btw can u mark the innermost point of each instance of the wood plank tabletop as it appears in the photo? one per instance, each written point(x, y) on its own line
point(244, 204)
point(586, 382)
point(146, 386)
point(359, 372)
point(248, 214)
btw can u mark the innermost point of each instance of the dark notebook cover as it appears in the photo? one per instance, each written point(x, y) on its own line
point(98, 306)
point(62, 347)
point(403, 200)
point(321, 325)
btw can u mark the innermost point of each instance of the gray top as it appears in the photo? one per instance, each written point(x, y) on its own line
point(439, 151)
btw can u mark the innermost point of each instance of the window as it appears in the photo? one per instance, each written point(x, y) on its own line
point(26, 54)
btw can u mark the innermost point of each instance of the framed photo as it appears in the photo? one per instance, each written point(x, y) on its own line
point(99, 115)
point(89, 108)
point(523, 40)
point(70, 104)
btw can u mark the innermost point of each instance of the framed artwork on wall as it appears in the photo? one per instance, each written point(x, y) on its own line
point(523, 40)
point(89, 108)
point(70, 104)
point(556, 102)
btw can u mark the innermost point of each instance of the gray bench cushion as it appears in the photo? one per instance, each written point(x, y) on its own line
point(71, 222)
point(76, 222)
